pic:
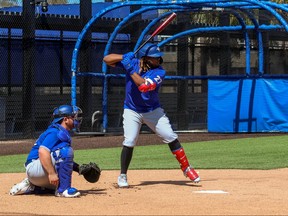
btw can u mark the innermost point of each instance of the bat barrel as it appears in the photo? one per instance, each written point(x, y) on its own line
point(158, 30)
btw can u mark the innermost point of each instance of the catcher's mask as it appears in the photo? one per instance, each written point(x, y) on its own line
point(68, 111)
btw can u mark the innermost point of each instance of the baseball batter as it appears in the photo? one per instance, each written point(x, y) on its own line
point(144, 76)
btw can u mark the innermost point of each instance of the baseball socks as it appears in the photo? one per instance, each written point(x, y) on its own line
point(126, 157)
point(180, 155)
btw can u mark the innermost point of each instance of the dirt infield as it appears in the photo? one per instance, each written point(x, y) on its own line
point(154, 192)
point(160, 192)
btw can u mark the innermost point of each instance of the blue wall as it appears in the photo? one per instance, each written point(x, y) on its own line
point(248, 105)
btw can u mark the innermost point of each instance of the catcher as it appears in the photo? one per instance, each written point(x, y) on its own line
point(50, 163)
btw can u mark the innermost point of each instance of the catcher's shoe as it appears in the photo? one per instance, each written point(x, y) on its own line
point(122, 181)
point(192, 175)
point(68, 193)
point(24, 187)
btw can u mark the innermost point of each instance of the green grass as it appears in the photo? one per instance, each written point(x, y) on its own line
point(249, 153)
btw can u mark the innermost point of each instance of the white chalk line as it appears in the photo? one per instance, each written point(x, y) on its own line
point(211, 192)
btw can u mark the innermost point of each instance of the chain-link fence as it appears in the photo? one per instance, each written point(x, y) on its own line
point(36, 48)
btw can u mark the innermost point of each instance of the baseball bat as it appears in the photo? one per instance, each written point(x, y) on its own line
point(158, 30)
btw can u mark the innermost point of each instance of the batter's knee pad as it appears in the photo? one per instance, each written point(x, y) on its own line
point(64, 166)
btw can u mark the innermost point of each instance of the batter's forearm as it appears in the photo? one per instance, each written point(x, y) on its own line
point(138, 80)
point(112, 59)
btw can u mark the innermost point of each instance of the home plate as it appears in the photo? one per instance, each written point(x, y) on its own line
point(211, 192)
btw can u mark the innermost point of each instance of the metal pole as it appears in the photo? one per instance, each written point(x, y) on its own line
point(28, 93)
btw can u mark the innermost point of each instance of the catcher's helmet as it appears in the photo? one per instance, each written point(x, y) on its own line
point(65, 111)
point(151, 50)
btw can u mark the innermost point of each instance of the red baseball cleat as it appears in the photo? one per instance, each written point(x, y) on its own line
point(192, 175)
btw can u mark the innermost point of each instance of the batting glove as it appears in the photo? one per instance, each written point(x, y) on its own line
point(129, 55)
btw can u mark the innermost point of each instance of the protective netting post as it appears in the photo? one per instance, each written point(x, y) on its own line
point(182, 70)
point(28, 93)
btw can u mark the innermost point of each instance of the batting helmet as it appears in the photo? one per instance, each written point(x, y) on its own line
point(151, 50)
point(65, 111)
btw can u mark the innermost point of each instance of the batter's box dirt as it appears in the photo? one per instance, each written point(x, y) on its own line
point(160, 192)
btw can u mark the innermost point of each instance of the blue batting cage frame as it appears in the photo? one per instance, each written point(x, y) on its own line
point(235, 8)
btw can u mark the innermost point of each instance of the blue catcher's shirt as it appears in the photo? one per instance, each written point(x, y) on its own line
point(142, 102)
point(55, 137)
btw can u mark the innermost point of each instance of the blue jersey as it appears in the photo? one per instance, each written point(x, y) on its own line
point(142, 102)
point(55, 137)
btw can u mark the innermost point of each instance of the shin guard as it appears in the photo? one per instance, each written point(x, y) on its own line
point(64, 167)
point(185, 166)
point(182, 159)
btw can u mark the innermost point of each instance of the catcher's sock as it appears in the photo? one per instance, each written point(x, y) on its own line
point(24, 187)
point(122, 181)
point(41, 190)
point(68, 193)
point(126, 156)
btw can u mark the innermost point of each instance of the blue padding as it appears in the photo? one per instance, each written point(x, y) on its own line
point(248, 105)
point(64, 167)
point(64, 136)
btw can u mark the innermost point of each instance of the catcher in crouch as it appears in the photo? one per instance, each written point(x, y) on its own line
point(50, 164)
point(144, 76)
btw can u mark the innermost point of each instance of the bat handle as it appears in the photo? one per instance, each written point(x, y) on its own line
point(137, 50)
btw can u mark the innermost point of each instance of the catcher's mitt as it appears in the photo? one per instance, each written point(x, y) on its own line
point(91, 172)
